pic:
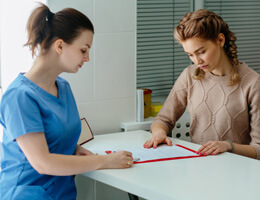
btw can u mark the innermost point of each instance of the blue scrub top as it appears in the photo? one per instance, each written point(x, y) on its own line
point(27, 108)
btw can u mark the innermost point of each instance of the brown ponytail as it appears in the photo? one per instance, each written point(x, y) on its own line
point(44, 27)
point(208, 25)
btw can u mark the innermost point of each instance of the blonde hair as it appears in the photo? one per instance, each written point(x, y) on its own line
point(208, 25)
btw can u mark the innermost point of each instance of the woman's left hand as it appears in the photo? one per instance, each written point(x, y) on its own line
point(214, 148)
point(80, 151)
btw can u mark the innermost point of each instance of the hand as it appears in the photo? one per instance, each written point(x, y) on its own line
point(119, 160)
point(80, 151)
point(157, 138)
point(214, 148)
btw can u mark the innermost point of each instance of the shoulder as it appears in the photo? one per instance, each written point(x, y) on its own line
point(188, 72)
point(249, 82)
point(19, 88)
point(19, 95)
point(245, 71)
point(248, 76)
point(190, 69)
point(185, 80)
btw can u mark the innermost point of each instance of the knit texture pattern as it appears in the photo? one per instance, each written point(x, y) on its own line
point(217, 110)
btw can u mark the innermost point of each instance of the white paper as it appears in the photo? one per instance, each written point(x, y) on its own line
point(161, 152)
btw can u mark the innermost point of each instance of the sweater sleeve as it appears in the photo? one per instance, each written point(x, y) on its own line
point(175, 104)
point(254, 112)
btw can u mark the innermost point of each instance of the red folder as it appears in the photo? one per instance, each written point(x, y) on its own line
point(174, 158)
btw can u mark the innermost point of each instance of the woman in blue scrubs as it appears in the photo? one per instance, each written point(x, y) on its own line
point(40, 117)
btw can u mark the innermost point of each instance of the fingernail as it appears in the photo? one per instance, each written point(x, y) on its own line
point(204, 154)
point(197, 152)
point(212, 154)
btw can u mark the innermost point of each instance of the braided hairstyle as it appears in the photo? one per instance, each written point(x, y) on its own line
point(208, 25)
point(44, 27)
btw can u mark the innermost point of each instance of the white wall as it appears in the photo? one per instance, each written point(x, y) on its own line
point(14, 57)
point(105, 88)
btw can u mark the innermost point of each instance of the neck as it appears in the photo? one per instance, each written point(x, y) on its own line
point(224, 66)
point(44, 73)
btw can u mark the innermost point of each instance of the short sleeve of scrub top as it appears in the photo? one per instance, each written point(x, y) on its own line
point(27, 108)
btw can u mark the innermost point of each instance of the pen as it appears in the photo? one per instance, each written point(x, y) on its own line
point(136, 159)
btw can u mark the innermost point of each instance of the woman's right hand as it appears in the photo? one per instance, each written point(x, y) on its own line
point(118, 160)
point(158, 137)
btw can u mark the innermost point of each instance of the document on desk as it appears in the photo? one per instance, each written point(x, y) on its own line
point(161, 153)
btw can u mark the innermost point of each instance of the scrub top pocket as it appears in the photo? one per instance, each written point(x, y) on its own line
point(30, 192)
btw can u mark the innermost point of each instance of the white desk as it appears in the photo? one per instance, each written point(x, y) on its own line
point(225, 176)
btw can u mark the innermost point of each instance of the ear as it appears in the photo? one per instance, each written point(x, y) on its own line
point(221, 39)
point(59, 46)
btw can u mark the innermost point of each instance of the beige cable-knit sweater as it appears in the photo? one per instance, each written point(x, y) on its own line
point(217, 111)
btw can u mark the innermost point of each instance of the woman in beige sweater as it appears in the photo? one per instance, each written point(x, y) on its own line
point(221, 93)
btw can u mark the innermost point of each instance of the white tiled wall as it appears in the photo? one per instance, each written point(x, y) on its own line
point(115, 16)
point(105, 87)
point(114, 65)
point(110, 113)
point(84, 6)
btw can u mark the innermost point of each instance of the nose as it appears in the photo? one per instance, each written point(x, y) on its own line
point(86, 58)
point(197, 60)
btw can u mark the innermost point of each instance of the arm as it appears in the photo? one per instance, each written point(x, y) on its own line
point(172, 110)
point(35, 148)
point(244, 150)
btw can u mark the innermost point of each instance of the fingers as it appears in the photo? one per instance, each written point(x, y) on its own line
point(168, 141)
point(152, 142)
point(201, 149)
point(206, 149)
point(155, 144)
point(129, 162)
point(125, 158)
point(211, 148)
point(155, 141)
point(149, 143)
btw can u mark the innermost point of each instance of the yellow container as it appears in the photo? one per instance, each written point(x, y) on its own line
point(147, 102)
point(155, 108)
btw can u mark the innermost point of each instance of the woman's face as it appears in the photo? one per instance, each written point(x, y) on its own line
point(75, 54)
point(206, 54)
